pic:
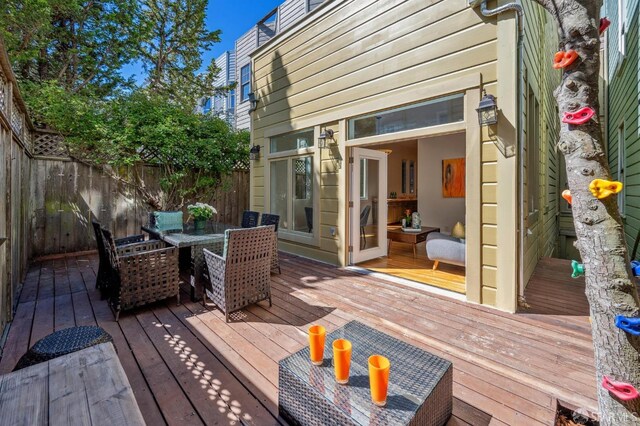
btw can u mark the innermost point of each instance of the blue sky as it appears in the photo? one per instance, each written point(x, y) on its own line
point(233, 17)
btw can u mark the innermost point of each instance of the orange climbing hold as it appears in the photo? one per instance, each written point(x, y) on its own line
point(564, 59)
point(566, 194)
point(601, 188)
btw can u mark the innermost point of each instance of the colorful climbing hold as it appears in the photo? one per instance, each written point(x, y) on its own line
point(604, 24)
point(635, 268)
point(577, 269)
point(623, 391)
point(630, 325)
point(602, 188)
point(566, 194)
point(563, 59)
point(580, 116)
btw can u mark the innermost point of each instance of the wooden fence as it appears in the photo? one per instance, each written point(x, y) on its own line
point(71, 193)
point(15, 180)
point(50, 199)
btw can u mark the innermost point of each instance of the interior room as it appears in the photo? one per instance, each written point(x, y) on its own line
point(425, 176)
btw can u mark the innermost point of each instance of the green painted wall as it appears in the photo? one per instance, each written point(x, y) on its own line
point(622, 103)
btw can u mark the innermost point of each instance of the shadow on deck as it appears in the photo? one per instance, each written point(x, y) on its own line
point(187, 365)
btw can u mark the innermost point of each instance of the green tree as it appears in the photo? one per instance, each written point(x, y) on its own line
point(171, 53)
point(79, 45)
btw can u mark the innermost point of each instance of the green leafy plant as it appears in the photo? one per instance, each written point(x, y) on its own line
point(201, 211)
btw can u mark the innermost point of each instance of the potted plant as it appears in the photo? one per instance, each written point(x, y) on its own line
point(201, 212)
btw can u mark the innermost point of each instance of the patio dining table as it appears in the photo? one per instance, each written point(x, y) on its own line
point(190, 243)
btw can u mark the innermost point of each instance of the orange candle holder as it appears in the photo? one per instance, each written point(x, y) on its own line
point(317, 335)
point(342, 360)
point(379, 379)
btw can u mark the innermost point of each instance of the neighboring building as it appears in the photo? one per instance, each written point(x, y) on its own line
point(622, 82)
point(398, 83)
point(222, 105)
point(275, 22)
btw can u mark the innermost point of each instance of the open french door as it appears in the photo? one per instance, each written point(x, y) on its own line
point(368, 205)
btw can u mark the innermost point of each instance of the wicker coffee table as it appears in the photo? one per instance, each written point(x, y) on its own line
point(420, 384)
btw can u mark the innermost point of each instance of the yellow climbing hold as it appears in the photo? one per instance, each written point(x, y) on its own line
point(601, 188)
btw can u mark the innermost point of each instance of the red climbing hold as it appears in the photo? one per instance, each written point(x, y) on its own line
point(564, 59)
point(622, 391)
point(580, 116)
point(604, 24)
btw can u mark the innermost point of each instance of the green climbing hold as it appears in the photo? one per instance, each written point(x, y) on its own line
point(578, 269)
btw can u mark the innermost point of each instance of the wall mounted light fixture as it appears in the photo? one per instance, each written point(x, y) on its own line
point(487, 110)
point(253, 100)
point(254, 153)
point(322, 139)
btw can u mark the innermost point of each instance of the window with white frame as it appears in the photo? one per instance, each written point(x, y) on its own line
point(622, 154)
point(622, 27)
point(292, 185)
point(533, 155)
point(245, 82)
point(292, 193)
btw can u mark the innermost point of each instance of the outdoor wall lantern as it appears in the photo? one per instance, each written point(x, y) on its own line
point(253, 100)
point(487, 110)
point(254, 153)
point(322, 139)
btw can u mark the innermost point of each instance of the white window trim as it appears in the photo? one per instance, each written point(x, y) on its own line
point(622, 32)
point(242, 100)
point(312, 239)
point(364, 177)
point(622, 170)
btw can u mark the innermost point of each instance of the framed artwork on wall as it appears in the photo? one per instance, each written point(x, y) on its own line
point(453, 178)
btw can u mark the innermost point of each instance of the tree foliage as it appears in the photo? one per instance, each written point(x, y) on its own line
point(68, 56)
point(80, 45)
point(170, 51)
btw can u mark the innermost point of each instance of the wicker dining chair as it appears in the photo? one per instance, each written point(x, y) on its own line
point(140, 273)
point(250, 219)
point(102, 278)
point(273, 219)
point(242, 275)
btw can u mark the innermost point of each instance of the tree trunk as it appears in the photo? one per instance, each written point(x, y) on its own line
point(610, 286)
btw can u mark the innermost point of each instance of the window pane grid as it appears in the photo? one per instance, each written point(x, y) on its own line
point(449, 109)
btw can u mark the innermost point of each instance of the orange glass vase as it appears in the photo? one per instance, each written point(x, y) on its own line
point(379, 379)
point(317, 334)
point(342, 360)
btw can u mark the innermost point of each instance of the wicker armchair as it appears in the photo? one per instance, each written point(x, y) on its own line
point(102, 278)
point(242, 275)
point(140, 273)
point(273, 219)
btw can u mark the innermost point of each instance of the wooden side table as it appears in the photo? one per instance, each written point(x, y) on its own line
point(409, 237)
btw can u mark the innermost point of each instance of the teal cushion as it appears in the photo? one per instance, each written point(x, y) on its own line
point(168, 220)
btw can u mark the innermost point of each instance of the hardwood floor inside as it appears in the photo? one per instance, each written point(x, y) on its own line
point(187, 366)
point(401, 263)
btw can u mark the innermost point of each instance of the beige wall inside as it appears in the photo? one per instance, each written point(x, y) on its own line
point(435, 210)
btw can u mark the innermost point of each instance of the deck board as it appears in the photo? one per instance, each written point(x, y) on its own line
point(187, 365)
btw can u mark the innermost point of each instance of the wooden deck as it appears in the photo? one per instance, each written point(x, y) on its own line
point(187, 366)
point(401, 263)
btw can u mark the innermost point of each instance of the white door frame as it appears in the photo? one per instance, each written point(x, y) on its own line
point(371, 251)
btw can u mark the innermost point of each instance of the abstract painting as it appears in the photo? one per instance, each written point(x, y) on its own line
point(453, 178)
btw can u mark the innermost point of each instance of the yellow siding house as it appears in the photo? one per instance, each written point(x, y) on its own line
point(367, 108)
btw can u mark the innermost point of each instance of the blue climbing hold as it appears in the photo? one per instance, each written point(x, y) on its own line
point(635, 267)
point(630, 325)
